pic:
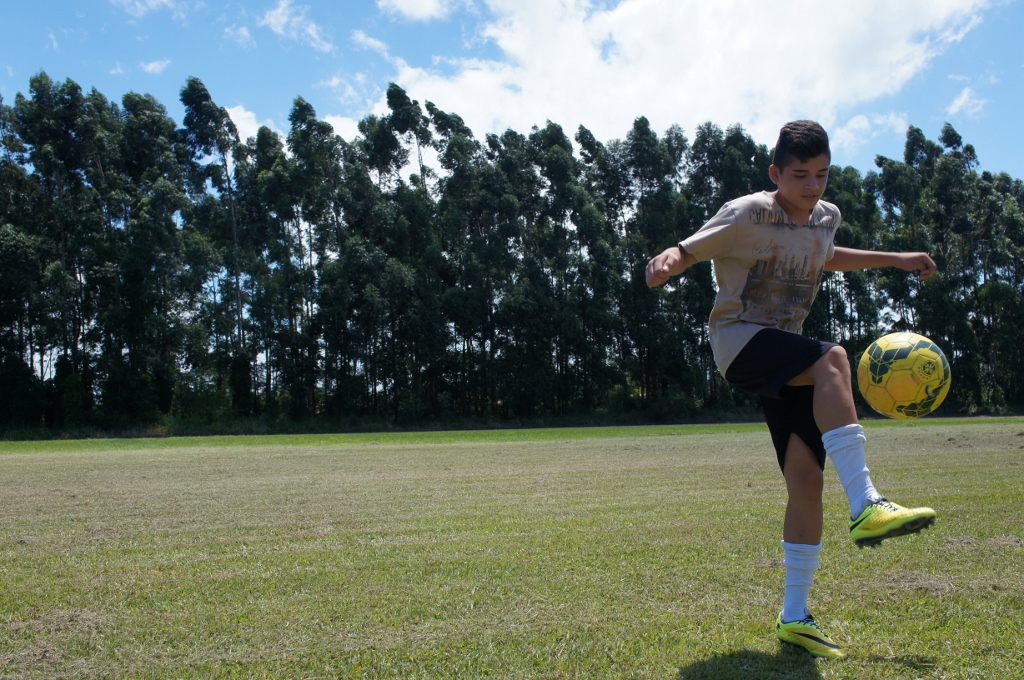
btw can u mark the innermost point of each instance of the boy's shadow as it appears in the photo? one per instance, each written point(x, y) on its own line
point(746, 665)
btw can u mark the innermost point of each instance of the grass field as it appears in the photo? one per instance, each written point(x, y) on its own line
point(582, 553)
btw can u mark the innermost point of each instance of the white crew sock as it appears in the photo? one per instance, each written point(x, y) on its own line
point(845, 446)
point(801, 561)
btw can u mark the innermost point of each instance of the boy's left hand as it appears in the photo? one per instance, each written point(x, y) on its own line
point(922, 263)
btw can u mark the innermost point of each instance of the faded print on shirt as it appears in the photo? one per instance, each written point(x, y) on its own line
point(784, 278)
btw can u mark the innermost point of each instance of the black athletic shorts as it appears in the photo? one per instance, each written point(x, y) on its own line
point(772, 358)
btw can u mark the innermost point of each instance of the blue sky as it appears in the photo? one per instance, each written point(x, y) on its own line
point(866, 69)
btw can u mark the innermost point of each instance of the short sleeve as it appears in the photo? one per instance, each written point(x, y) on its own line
point(716, 238)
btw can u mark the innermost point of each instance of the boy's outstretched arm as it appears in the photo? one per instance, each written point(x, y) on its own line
point(849, 259)
point(671, 262)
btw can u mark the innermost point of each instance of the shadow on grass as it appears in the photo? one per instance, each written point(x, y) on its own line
point(918, 664)
point(788, 664)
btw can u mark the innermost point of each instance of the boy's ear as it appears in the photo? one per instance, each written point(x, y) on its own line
point(774, 173)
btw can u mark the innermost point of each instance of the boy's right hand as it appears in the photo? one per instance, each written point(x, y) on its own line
point(669, 263)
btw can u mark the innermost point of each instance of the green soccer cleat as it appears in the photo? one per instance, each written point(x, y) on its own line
point(807, 634)
point(882, 520)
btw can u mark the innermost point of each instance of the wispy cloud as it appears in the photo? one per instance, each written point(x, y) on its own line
point(352, 89)
point(240, 35)
point(155, 67)
point(862, 129)
point(418, 10)
point(117, 70)
point(140, 8)
point(365, 41)
point(957, 33)
point(968, 103)
point(54, 45)
point(291, 22)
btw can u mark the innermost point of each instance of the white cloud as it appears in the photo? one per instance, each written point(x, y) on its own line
point(139, 8)
point(347, 128)
point(957, 33)
point(54, 45)
point(117, 70)
point(247, 123)
point(291, 22)
point(10, 71)
point(155, 67)
point(686, 62)
point(356, 92)
point(366, 42)
point(240, 35)
point(968, 103)
point(344, 87)
point(862, 129)
point(417, 10)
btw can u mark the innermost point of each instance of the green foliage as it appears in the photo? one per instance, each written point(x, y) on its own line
point(148, 269)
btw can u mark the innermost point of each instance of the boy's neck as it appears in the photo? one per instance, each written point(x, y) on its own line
point(799, 216)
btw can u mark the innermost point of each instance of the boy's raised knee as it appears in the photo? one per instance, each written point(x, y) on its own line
point(838, 356)
point(834, 362)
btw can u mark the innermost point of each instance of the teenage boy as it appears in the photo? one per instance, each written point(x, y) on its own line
point(769, 250)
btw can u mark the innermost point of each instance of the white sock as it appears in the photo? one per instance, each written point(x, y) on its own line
point(845, 446)
point(801, 561)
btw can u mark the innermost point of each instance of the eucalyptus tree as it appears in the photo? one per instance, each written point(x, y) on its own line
point(210, 137)
point(479, 228)
point(1000, 294)
point(21, 264)
point(559, 253)
point(521, 285)
point(284, 299)
point(256, 162)
point(21, 400)
point(382, 144)
point(660, 349)
point(600, 224)
point(139, 298)
point(47, 125)
point(21, 261)
point(408, 120)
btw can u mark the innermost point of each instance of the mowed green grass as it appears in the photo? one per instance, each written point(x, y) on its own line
point(583, 553)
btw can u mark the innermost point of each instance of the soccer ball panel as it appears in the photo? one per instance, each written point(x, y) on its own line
point(879, 399)
point(903, 385)
point(903, 375)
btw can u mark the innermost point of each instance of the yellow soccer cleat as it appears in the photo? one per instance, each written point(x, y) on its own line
point(882, 520)
point(807, 634)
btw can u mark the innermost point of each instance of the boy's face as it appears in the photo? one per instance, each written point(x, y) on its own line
point(801, 183)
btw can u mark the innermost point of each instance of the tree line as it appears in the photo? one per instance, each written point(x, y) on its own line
point(417, 274)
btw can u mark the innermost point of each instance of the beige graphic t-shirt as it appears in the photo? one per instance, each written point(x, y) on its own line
point(767, 268)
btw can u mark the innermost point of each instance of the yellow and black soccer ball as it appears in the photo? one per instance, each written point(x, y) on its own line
point(903, 375)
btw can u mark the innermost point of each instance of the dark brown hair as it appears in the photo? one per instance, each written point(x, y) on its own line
point(802, 140)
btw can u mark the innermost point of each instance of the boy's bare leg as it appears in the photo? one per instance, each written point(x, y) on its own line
point(804, 482)
point(836, 417)
point(801, 533)
point(833, 390)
